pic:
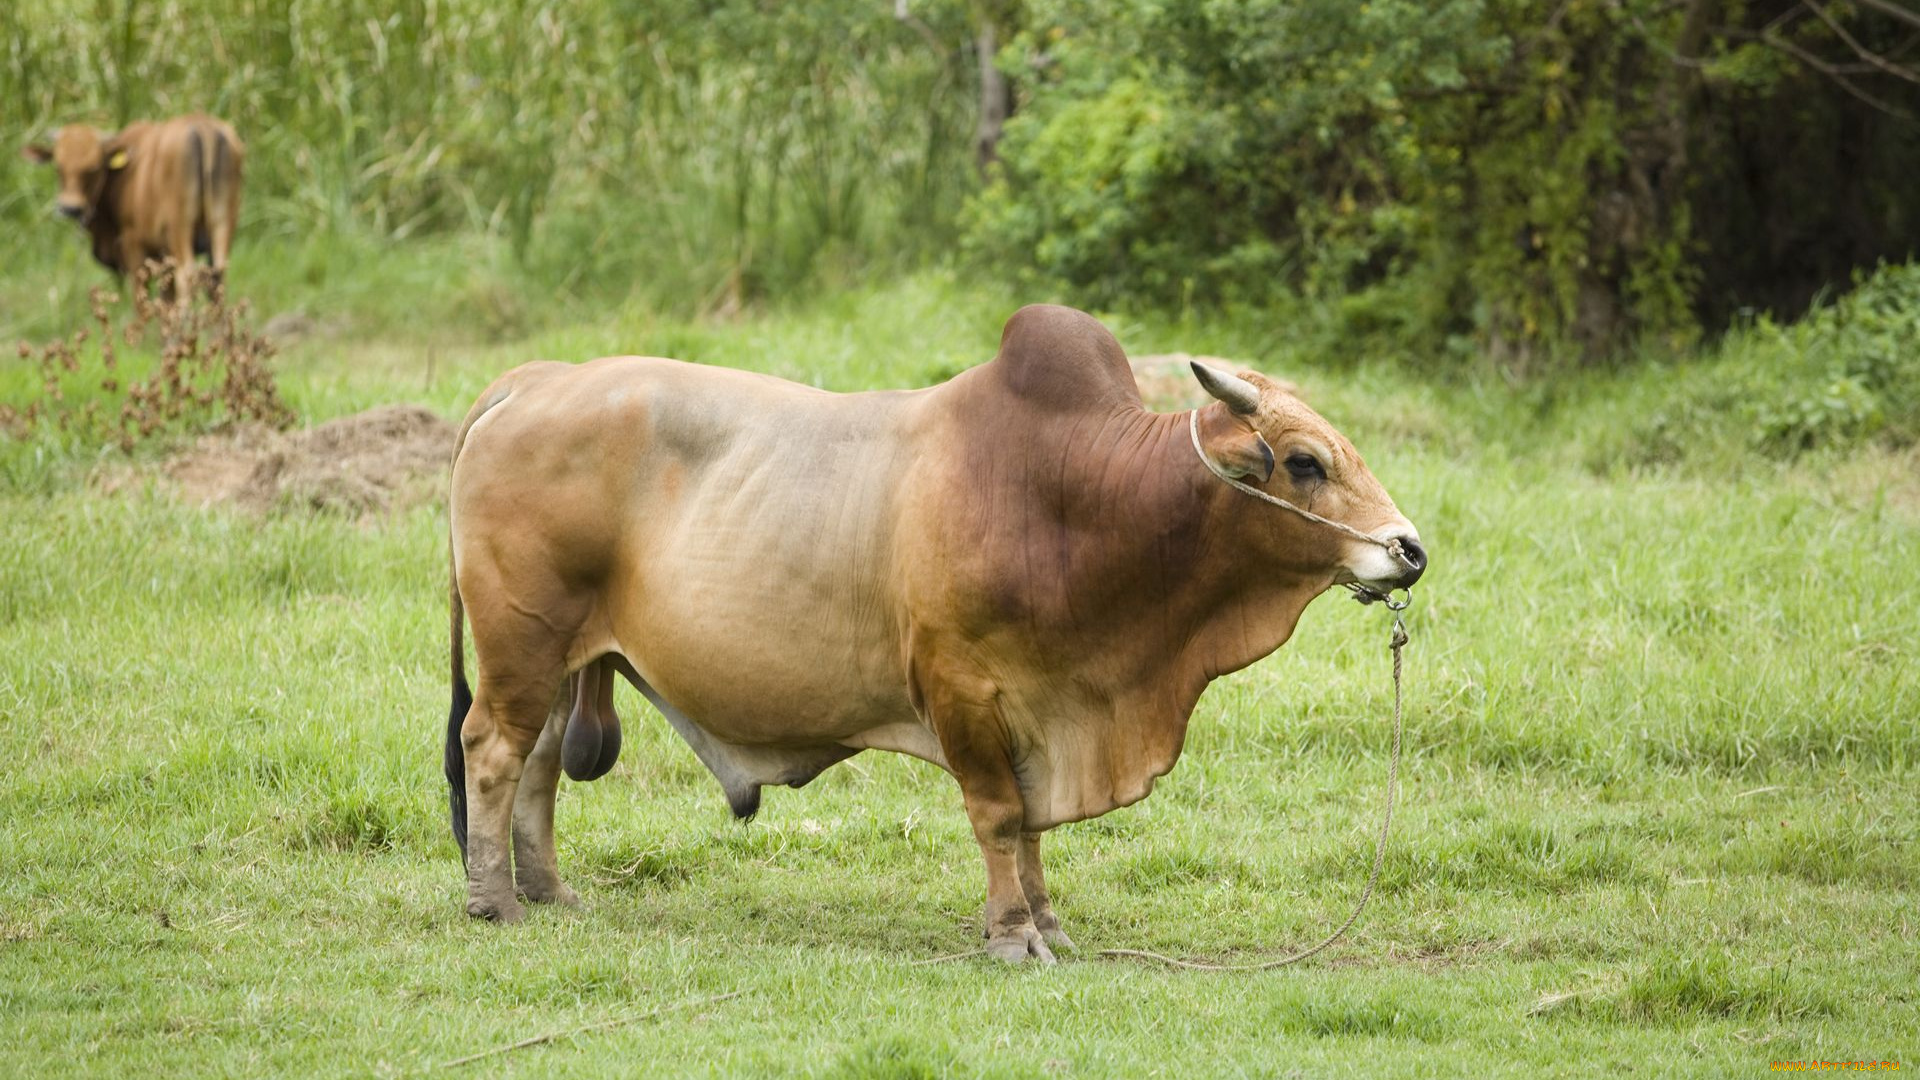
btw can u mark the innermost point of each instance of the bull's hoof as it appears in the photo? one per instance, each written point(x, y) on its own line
point(1019, 943)
point(507, 910)
point(1048, 924)
point(558, 892)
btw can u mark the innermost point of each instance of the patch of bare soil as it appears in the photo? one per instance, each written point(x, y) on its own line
point(383, 459)
point(1167, 383)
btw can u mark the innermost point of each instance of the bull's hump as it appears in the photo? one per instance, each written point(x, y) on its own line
point(1061, 358)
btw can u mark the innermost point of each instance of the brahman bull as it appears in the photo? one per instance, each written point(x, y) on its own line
point(167, 190)
point(1020, 575)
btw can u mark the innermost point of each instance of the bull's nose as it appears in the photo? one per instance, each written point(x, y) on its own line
point(1417, 557)
point(71, 213)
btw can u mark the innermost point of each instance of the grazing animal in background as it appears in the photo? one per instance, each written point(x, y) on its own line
point(1021, 575)
point(165, 190)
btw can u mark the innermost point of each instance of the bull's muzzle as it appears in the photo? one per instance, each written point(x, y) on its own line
point(1416, 562)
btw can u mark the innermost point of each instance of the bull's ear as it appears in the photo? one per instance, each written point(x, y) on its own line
point(38, 153)
point(1240, 395)
point(1235, 446)
point(116, 156)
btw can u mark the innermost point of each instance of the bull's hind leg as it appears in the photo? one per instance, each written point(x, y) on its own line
point(522, 666)
point(180, 285)
point(536, 864)
point(500, 731)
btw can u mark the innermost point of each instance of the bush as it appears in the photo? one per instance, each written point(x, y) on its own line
point(1205, 154)
point(211, 369)
point(1846, 375)
point(1855, 370)
point(1542, 180)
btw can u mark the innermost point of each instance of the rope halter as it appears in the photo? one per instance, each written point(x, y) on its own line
point(1360, 592)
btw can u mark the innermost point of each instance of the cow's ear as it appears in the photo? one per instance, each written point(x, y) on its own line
point(116, 157)
point(1235, 446)
point(37, 153)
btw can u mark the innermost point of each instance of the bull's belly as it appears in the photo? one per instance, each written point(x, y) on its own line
point(730, 695)
point(758, 665)
point(756, 709)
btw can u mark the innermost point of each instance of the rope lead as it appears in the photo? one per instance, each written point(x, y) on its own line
point(1395, 642)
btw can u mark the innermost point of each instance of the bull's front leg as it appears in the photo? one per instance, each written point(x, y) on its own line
point(1033, 883)
point(997, 813)
point(129, 258)
point(974, 742)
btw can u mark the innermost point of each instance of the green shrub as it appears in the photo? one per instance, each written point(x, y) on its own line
point(1850, 371)
point(1540, 179)
point(1840, 412)
point(1846, 375)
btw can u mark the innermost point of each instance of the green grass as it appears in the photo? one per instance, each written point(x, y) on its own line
point(1659, 807)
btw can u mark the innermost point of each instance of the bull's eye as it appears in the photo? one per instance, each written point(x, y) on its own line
point(1304, 466)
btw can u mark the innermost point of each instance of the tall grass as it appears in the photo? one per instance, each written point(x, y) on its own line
point(698, 153)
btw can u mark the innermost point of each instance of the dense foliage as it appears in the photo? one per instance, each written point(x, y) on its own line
point(1525, 179)
point(1846, 374)
point(1527, 175)
point(185, 368)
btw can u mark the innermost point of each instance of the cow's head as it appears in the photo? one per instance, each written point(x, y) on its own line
point(84, 158)
point(1270, 439)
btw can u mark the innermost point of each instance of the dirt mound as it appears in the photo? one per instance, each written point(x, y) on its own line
point(1167, 383)
point(386, 458)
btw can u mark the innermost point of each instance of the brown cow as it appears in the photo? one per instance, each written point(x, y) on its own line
point(166, 190)
point(1021, 575)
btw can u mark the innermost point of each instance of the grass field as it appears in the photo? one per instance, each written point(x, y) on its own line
point(1659, 813)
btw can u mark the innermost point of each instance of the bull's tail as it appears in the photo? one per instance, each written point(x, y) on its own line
point(456, 759)
point(456, 756)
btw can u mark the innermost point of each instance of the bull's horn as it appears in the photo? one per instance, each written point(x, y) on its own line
point(1240, 395)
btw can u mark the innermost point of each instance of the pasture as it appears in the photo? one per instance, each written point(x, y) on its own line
point(1657, 816)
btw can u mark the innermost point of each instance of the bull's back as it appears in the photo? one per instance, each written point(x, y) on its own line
point(737, 530)
point(185, 176)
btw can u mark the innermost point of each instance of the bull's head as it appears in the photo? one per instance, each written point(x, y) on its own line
point(1270, 439)
point(85, 159)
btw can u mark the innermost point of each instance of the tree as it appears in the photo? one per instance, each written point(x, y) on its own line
point(1551, 178)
